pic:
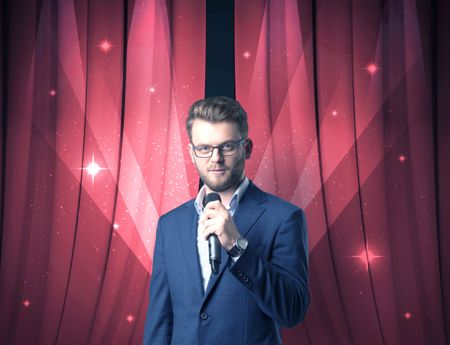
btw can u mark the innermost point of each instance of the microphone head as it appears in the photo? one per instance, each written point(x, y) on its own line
point(211, 197)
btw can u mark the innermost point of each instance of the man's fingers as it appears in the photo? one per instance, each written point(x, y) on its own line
point(212, 226)
point(213, 205)
point(212, 211)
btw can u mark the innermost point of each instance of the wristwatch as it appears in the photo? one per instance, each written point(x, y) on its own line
point(239, 247)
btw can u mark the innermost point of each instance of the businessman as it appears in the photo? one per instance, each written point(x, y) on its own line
point(261, 284)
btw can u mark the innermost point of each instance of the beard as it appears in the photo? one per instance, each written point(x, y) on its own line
point(232, 178)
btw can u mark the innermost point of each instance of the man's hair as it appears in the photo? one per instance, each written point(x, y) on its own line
point(218, 109)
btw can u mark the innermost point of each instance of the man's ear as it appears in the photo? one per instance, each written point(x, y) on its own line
point(248, 148)
point(191, 152)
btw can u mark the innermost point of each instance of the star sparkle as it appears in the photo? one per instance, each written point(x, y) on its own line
point(367, 257)
point(93, 168)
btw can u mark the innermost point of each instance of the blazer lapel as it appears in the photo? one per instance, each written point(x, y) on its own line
point(188, 236)
point(247, 213)
point(249, 210)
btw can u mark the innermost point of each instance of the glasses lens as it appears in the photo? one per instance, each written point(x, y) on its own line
point(227, 149)
point(203, 151)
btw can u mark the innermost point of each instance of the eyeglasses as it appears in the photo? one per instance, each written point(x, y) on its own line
point(229, 148)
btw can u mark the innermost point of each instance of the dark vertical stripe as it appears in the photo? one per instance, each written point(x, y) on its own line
point(220, 80)
point(435, 24)
point(4, 74)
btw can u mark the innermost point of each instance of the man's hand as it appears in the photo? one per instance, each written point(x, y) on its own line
point(217, 220)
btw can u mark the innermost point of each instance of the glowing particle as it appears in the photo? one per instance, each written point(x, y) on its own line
point(105, 45)
point(367, 257)
point(372, 68)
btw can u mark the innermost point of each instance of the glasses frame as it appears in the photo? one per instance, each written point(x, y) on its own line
point(219, 147)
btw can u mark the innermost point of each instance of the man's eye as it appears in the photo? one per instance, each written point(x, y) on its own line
point(228, 146)
point(203, 149)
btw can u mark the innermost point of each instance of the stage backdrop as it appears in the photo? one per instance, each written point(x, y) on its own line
point(348, 108)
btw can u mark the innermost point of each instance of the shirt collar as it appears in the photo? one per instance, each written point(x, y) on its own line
point(235, 199)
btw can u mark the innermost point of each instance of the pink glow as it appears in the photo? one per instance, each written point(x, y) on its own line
point(407, 315)
point(372, 68)
point(246, 54)
point(130, 318)
point(105, 45)
point(334, 113)
point(26, 303)
point(367, 257)
point(402, 158)
point(52, 92)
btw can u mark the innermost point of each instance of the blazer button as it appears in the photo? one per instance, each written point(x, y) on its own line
point(203, 316)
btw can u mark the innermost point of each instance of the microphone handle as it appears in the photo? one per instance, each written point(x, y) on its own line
point(214, 253)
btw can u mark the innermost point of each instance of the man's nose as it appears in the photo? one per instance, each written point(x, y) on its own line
point(216, 155)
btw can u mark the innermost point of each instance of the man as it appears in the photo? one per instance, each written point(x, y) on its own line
point(262, 283)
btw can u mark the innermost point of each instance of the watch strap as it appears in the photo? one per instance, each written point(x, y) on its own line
point(236, 250)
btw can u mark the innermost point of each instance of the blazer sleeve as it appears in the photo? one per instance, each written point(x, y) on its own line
point(159, 322)
point(280, 284)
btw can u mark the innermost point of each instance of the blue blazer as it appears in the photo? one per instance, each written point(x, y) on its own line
point(247, 302)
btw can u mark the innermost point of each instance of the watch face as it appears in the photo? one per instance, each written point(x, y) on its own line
point(242, 243)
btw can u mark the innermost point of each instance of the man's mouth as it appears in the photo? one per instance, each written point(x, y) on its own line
point(217, 170)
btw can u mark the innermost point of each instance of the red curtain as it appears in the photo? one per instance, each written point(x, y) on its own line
point(348, 109)
point(94, 110)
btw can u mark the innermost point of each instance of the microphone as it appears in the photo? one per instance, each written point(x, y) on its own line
point(213, 241)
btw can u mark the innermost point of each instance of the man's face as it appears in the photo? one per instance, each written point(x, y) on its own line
point(219, 173)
